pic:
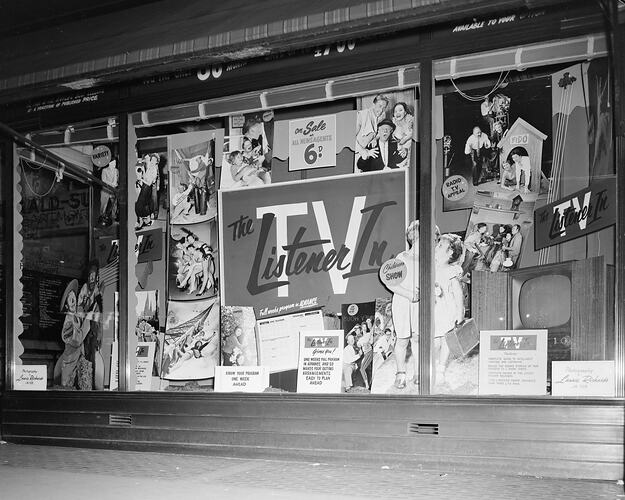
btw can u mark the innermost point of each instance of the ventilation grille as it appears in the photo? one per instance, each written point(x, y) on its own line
point(431, 429)
point(120, 420)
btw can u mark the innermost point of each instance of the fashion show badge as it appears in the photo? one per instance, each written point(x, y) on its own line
point(455, 188)
point(392, 273)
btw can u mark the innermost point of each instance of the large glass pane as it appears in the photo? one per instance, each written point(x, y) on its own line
point(290, 259)
point(524, 267)
point(69, 274)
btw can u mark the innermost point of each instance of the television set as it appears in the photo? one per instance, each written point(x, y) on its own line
point(573, 301)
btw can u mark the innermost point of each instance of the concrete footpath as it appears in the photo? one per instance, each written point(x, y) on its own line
point(45, 472)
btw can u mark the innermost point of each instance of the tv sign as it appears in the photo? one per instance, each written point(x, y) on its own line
point(325, 239)
point(576, 215)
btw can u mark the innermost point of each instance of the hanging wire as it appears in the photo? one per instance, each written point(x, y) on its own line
point(500, 81)
point(30, 188)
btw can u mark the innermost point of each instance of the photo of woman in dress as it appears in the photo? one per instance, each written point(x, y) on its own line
point(147, 181)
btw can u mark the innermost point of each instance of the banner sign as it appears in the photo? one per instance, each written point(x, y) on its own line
point(312, 142)
point(513, 362)
point(576, 215)
point(320, 362)
point(324, 240)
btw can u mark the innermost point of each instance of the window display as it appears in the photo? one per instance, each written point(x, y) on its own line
point(528, 246)
point(69, 227)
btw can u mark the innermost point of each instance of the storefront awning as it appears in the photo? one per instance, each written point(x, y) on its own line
point(153, 37)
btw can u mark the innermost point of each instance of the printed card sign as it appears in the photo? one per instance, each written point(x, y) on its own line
point(145, 361)
point(583, 378)
point(278, 338)
point(320, 362)
point(241, 378)
point(576, 215)
point(30, 378)
point(311, 241)
point(513, 362)
point(312, 142)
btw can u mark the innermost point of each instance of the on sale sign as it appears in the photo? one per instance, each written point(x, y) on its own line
point(312, 142)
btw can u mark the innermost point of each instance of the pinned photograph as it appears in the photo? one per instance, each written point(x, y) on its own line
point(191, 349)
point(193, 258)
point(247, 151)
point(385, 131)
point(193, 191)
point(239, 345)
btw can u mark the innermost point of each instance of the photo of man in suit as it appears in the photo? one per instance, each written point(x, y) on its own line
point(384, 152)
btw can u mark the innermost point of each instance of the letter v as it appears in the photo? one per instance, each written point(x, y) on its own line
point(339, 283)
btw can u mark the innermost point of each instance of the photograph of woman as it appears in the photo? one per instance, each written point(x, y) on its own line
point(147, 174)
point(192, 181)
point(193, 269)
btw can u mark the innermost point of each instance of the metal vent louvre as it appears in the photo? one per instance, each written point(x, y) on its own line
point(120, 420)
point(415, 428)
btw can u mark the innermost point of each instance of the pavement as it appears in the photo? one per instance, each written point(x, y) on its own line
point(47, 472)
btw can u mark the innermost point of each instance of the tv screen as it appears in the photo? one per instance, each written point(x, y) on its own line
point(545, 301)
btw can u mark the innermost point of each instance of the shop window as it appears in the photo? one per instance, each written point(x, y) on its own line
point(525, 204)
point(275, 224)
point(68, 248)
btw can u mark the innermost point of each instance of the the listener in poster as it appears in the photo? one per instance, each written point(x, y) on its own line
point(75, 329)
point(367, 122)
point(449, 298)
point(522, 166)
point(350, 356)
point(405, 308)
point(384, 152)
point(475, 150)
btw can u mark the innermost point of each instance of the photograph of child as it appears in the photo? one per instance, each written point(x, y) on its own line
point(248, 151)
point(193, 262)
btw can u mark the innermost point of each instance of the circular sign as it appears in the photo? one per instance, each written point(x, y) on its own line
point(101, 156)
point(393, 272)
point(455, 188)
point(352, 310)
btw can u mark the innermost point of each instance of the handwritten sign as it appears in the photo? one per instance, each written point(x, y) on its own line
point(513, 362)
point(576, 215)
point(241, 378)
point(30, 378)
point(583, 378)
point(320, 362)
point(312, 142)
